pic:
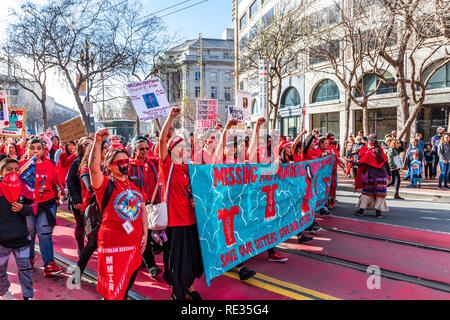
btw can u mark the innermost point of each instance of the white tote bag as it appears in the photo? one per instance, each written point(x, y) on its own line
point(398, 161)
point(157, 214)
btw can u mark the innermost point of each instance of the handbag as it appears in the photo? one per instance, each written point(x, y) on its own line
point(157, 213)
point(398, 161)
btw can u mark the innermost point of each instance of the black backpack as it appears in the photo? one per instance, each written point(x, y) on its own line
point(93, 215)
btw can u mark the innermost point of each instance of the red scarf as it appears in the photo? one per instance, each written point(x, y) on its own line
point(370, 159)
point(11, 186)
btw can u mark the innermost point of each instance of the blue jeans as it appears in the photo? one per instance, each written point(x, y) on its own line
point(23, 270)
point(445, 172)
point(39, 224)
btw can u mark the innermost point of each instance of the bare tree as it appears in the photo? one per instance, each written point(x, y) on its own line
point(423, 31)
point(24, 57)
point(116, 31)
point(278, 41)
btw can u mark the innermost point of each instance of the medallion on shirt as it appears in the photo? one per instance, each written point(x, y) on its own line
point(128, 205)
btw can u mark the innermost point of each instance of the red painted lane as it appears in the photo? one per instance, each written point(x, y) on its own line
point(423, 263)
point(437, 239)
point(222, 288)
point(50, 288)
point(339, 281)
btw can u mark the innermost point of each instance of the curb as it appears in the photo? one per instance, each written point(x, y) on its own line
point(407, 194)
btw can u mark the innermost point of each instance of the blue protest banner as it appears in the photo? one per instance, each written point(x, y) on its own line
point(243, 210)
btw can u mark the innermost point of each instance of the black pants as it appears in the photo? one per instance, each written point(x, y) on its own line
point(396, 180)
point(429, 170)
point(79, 228)
point(130, 283)
point(87, 252)
point(147, 256)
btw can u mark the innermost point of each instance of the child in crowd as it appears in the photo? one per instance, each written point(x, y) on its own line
point(13, 230)
point(416, 171)
point(430, 158)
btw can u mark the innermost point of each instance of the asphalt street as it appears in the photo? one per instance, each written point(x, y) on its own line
point(418, 214)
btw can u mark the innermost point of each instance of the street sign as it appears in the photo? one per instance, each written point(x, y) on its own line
point(263, 88)
point(88, 107)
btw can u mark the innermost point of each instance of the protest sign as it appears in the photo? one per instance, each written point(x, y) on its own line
point(249, 209)
point(206, 114)
point(13, 127)
point(243, 102)
point(263, 88)
point(236, 113)
point(149, 99)
point(82, 90)
point(71, 130)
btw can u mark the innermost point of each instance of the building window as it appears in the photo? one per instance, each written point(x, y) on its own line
point(327, 122)
point(213, 76)
point(227, 94)
point(197, 92)
point(268, 17)
point(253, 8)
point(227, 77)
point(243, 21)
point(290, 98)
point(371, 83)
point(255, 106)
point(197, 76)
point(381, 121)
point(14, 92)
point(325, 91)
point(213, 92)
point(320, 53)
point(226, 55)
point(440, 79)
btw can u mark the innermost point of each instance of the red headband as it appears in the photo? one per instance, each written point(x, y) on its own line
point(283, 144)
point(175, 140)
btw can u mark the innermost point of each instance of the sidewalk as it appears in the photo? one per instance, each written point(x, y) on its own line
point(429, 188)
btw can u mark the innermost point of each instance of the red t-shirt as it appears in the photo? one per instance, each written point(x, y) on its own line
point(313, 154)
point(335, 152)
point(85, 194)
point(124, 205)
point(298, 158)
point(180, 212)
point(45, 185)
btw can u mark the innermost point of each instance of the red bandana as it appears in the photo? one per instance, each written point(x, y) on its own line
point(11, 186)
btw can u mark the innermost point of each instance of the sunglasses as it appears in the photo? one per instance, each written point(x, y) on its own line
point(86, 144)
point(144, 149)
point(121, 163)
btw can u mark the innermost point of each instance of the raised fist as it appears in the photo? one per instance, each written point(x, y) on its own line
point(101, 135)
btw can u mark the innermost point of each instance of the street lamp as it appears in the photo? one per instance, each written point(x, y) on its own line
point(88, 60)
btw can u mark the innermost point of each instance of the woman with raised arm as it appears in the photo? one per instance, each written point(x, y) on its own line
point(297, 147)
point(122, 236)
point(182, 256)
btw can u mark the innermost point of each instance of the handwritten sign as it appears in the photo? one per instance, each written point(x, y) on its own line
point(71, 130)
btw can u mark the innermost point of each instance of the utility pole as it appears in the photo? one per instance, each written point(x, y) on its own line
point(236, 45)
point(200, 63)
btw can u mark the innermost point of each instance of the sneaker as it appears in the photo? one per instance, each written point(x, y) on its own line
point(379, 216)
point(324, 211)
point(315, 227)
point(277, 257)
point(28, 298)
point(446, 187)
point(440, 187)
point(7, 296)
point(245, 274)
point(398, 197)
point(303, 239)
point(52, 269)
point(154, 271)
